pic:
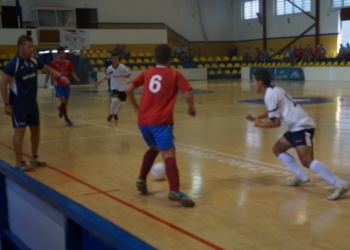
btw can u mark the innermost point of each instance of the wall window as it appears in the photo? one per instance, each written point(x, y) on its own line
point(340, 3)
point(250, 9)
point(284, 7)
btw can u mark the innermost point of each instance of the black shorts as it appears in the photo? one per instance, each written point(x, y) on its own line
point(121, 94)
point(25, 116)
point(302, 137)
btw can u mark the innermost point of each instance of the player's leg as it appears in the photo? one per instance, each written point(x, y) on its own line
point(148, 159)
point(280, 150)
point(114, 101)
point(64, 103)
point(122, 98)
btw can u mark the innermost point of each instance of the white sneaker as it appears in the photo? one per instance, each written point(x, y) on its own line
point(339, 191)
point(299, 180)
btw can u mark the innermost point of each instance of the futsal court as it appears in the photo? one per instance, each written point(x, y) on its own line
point(226, 165)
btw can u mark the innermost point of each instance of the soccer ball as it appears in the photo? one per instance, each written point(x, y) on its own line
point(158, 171)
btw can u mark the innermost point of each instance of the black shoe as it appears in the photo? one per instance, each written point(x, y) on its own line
point(116, 117)
point(109, 118)
point(69, 123)
point(59, 112)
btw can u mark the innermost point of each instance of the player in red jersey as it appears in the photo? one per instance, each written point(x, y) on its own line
point(65, 67)
point(155, 118)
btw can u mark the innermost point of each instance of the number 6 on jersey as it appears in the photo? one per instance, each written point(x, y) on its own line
point(154, 84)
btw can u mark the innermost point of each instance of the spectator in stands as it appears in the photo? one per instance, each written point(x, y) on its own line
point(323, 53)
point(264, 55)
point(248, 54)
point(295, 52)
point(118, 50)
point(177, 51)
point(299, 55)
point(185, 55)
point(288, 55)
point(125, 52)
point(317, 53)
point(347, 50)
point(310, 53)
point(270, 55)
point(258, 55)
point(342, 53)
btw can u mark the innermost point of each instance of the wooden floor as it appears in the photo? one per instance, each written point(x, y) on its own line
point(226, 165)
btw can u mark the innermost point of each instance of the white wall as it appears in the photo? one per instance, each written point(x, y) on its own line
point(10, 36)
point(278, 26)
point(346, 32)
point(183, 16)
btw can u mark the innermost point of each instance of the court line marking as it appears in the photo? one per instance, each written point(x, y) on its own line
point(79, 138)
point(203, 241)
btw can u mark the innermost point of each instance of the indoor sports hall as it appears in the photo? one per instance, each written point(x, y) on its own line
point(86, 197)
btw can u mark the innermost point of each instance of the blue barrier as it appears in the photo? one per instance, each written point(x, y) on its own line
point(282, 73)
point(83, 229)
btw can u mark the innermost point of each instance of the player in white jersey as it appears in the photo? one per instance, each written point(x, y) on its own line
point(280, 107)
point(117, 72)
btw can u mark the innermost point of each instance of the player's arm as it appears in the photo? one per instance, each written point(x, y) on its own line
point(273, 123)
point(47, 76)
point(101, 81)
point(75, 76)
point(5, 80)
point(190, 101)
point(262, 115)
point(55, 73)
point(130, 93)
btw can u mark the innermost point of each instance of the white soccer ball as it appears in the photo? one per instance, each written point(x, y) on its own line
point(158, 171)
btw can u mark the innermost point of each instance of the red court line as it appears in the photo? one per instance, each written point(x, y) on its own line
point(209, 244)
point(103, 192)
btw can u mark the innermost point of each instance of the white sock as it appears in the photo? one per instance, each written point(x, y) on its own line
point(113, 102)
point(121, 104)
point(322, 170)
point(289, 161)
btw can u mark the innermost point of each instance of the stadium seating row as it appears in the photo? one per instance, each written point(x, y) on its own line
point(299, 64)
point(219, 72)
point(221, 65)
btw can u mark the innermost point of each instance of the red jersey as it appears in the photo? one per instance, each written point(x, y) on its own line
point(64, 67)
point(317, 50)
point(300, 52)
point(160, 88)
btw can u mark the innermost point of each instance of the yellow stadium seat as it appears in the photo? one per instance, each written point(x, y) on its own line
point(210, 59)
point(128, 67)
point(300, 64)
point(95, 69)
point(226, 58)
point(11, 55)
point(237, 65)
point(264, 64)
point(348, 63)
point(141, 54)
point(281, 56)
point(148, 54)
point(289, 64)
point(172, 67)
point(94, 55)
point(234, 58)
point(131, 60)
point(336, 64)
point(180, 66)
point(317, 64)
point(311, 64)
point(214, 65)
point(219, 72)
point(244, 65)
point(342, 63)
point(103, 69)
point(222, 65)
point(305, 64)
point(199, 66)
point(284, 64)
point(234, 71)
point(240, 58)
point(133, 54)
point(329, 63)
point(273, 64)
point(135, 68)
point(124, 61)
point(176, 60)
point(150, 67)
point(229, 65)
point(227, 72)
point(211, 72)
point(146, 60)
point(5, 63)
point(3, 57)
point(195, 59)
point(99, 61)
point(240, 72)
point(268, 65)
point(138, 60)
point(255, 64)
point(278, 64)
point(143, 68)
point(203, 59)
point(206, 65)
point(92, 62)
point(39, 71)
point(259, 64)
point(0, 72)
point(249, 65)
point(102, 55)
point(218, 59)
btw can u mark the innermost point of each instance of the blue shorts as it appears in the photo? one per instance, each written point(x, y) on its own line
point(160, 136)
point(25, 116)
point(62, 91)
point(302, 137)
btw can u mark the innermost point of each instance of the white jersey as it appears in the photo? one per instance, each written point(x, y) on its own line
point(117, 82)
point(280, 105)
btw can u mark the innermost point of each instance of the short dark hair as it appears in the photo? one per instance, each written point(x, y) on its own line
point(60, 48)
point(162, 53)
point(115, 54)
point(263, 75)
point(23, 39)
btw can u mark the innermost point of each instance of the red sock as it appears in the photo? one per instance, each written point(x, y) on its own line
point(173, 174)
point(147, 162)
point(64, 111)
